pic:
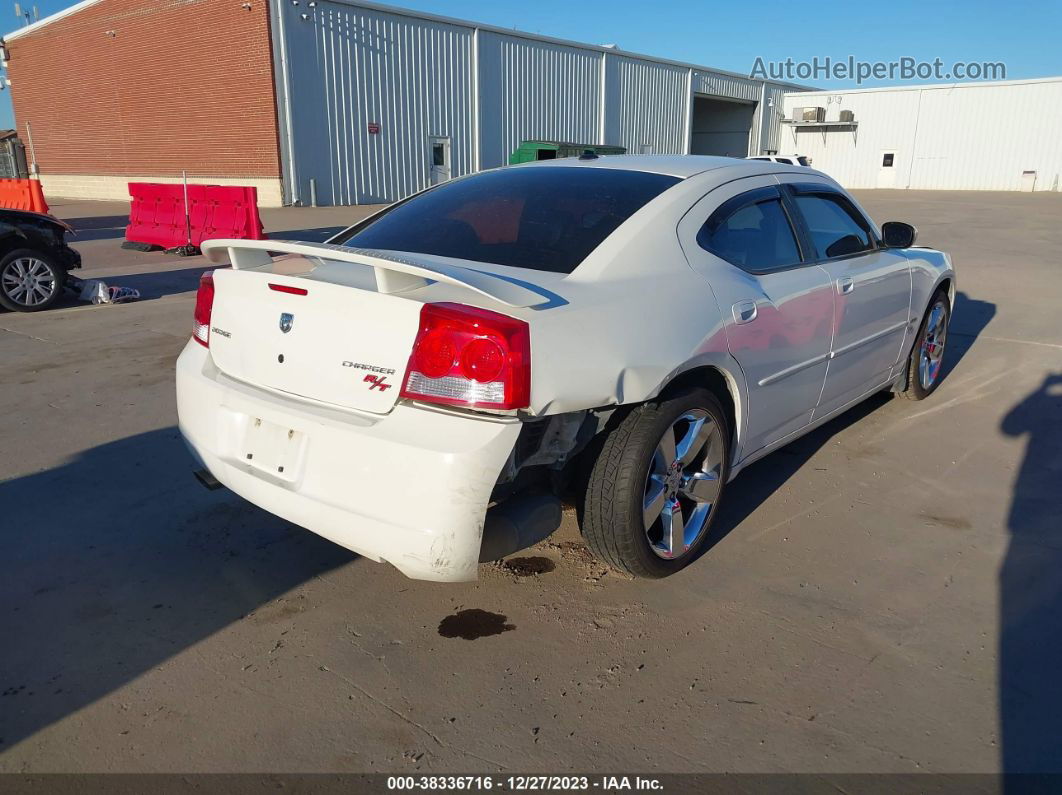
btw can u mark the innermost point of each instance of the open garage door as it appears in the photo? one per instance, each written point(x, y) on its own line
point(721, 126)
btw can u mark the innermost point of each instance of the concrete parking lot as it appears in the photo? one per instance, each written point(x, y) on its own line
point(883, 595)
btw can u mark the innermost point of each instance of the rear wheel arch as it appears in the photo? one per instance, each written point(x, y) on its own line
point(722, 384)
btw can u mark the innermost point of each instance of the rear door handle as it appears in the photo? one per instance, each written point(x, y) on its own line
point(845, 285)
point(745, 312)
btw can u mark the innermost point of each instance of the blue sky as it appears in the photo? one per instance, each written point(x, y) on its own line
point(1024, 36)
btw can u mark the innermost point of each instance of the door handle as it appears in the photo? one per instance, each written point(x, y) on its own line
point(845, 285)
point(745, 312)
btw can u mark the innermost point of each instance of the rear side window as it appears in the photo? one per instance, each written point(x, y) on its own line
point(785, 160)
point(803, 161)
point(836, 228)
point(752, 232)
point(546, 218)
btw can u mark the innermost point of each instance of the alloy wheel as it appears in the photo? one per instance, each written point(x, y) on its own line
point(682, 484)
point(931, 355)
point(28, 281)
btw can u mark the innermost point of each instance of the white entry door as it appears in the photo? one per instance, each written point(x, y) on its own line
point(887, 169)
point(440, 159)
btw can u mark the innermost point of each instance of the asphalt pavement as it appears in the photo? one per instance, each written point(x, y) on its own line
point(882, 595)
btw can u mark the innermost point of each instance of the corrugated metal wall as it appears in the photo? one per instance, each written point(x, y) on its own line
point(646, 104)
point(977, 136)
point(349, 67)
point(767, 124)
point(723, 85)
point(343, 68)
point(535, 90)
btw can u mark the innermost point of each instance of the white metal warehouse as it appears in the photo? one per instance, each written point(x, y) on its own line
point(1003, 135)
point(376, 102)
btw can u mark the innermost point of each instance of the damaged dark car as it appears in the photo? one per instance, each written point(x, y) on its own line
point(34, 260)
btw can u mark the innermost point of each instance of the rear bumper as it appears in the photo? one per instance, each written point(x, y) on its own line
point(410, 488)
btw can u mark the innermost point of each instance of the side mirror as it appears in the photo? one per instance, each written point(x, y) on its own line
point(897, 234)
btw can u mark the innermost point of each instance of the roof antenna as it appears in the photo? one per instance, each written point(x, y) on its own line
point(28, 16)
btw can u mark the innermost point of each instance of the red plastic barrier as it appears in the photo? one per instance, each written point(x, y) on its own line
point(153, 214)
point(23, 194)
point(156, 214)
point(231, 211)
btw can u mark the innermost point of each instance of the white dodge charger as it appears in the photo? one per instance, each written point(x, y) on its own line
point(625, 332)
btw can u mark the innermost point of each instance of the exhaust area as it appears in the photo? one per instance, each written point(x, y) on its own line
point(518, 523)
point(206, 480)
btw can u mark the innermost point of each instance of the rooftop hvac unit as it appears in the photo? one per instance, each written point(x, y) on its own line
point(847, 115)
point(809, 114)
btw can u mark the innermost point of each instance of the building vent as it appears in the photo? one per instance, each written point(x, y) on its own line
point(809, 114)
point(847, 115)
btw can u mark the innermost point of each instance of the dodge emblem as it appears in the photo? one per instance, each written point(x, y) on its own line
point(286, 321)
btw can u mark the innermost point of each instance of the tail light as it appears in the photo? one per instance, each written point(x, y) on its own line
point(464, 356)
point(204, 303)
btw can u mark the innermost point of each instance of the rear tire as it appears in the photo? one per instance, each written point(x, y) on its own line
point(30, 280)
point(925, 364)
point(650, 503)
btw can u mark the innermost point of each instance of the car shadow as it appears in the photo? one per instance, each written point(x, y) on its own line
point(118, 560)
point(151, 286)
point(760, 480)
point(162, 283)
point(1030, 590)
point(112, 227)
point(969, 318)
point(98, 227)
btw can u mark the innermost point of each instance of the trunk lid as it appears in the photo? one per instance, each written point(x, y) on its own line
point(321, 340)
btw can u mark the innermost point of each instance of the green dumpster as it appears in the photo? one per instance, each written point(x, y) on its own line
point(550, 150)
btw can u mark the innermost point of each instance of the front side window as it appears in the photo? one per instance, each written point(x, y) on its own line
point(547, 218)
point(755, 235)
point(785, 160)
point(803, 161)
point(835, 226)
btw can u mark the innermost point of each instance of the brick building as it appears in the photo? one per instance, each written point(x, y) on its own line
point(342, 101)
point(125, 90)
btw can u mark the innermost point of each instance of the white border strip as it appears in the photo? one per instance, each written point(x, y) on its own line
point(925, 86)
point(40, 23)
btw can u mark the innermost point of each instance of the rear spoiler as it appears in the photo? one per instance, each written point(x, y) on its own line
point(394, 273)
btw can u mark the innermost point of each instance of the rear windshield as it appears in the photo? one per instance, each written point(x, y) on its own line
point(545, 218)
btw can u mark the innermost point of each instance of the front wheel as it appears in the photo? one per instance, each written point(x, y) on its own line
point(927, 356)
point(655, 486)
point(30, 281)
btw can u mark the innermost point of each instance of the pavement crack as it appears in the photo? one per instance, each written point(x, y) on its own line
point(24, 334)
point(405, 718)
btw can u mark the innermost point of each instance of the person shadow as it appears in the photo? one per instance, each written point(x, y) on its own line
point(1030, 590)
